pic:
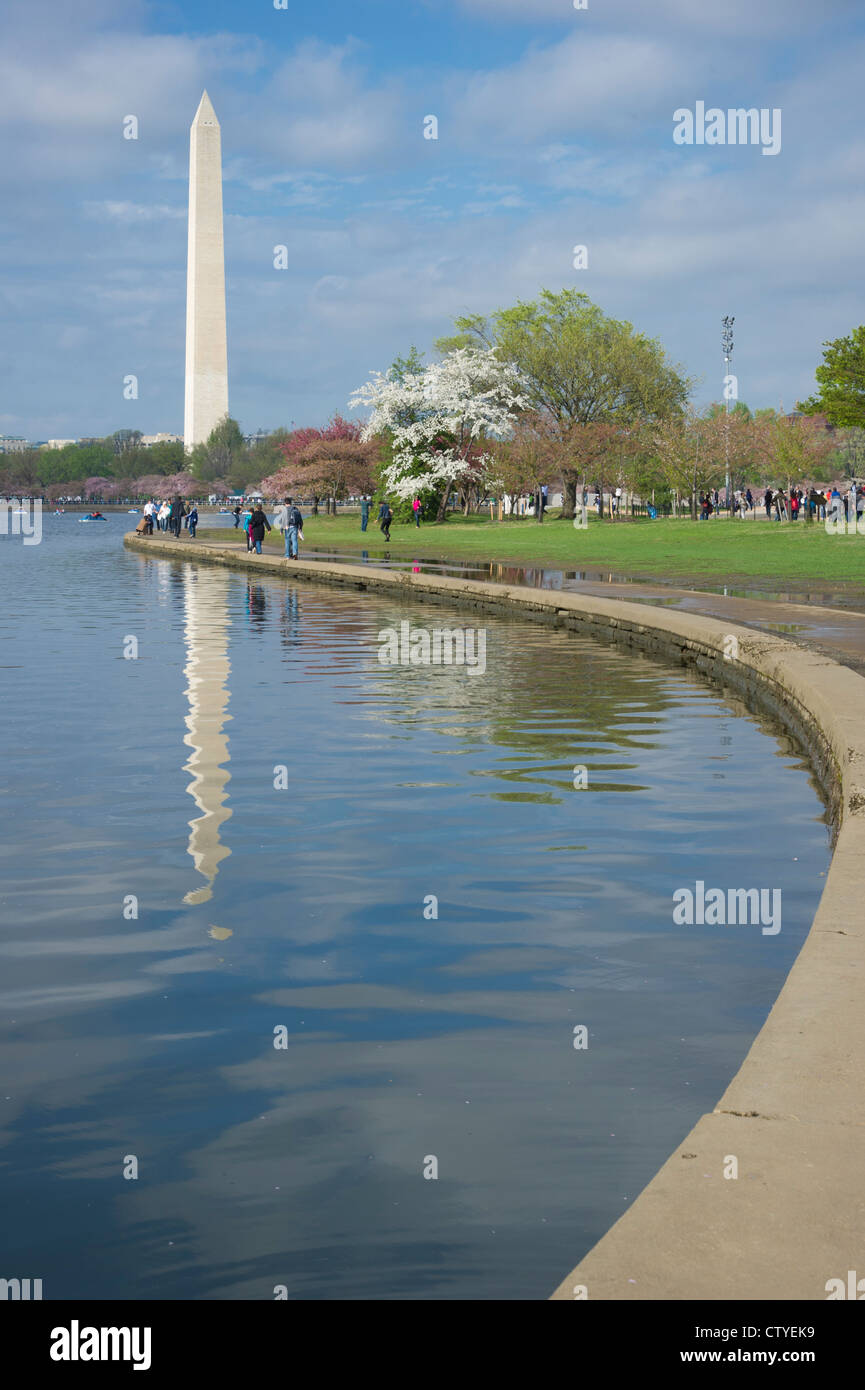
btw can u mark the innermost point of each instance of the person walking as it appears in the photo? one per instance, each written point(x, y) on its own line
point(175, 517)
point(236, 515)
point(245, 519)
point(162, 516)
point(280, 521)
point(258, 524)
point(294, 529)
point(364, 512)
point(767, 502)
point(415, 506)
point(192, 520)
point(385, 517)
point(290, 522)
point(834, 511)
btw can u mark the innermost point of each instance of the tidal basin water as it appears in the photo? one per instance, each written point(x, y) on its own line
point(297, 915)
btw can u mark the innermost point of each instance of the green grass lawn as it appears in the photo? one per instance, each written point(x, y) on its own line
point(722, 550)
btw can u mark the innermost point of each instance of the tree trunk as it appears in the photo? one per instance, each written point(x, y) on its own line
point(315, 506)
point(569, 498)
point(440, 514)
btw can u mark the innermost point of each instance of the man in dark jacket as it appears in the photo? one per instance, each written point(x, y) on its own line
point(385, 517)
point(175, 517)
point(292, 525)
point(258, 524)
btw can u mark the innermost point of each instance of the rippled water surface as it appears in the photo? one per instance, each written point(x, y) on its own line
point(304, 915)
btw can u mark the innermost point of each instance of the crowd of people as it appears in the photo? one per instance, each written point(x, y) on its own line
point(818, 503)
point(253, 521)
point(168, 516)
point(176, 516)
point(821, 504)
point(385, 514)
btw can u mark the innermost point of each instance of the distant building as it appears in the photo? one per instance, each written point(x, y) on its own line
point(58, 443)
point(820, 421)
point(13, 444)
point(254, 438)
point(149, 439)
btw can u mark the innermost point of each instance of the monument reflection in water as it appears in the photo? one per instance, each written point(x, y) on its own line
point(205, 632)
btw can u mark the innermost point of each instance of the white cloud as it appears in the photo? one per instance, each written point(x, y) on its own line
point(737, 17)
point(321, 107)
point(134, 212)
point(580, 86)
point(391, 236)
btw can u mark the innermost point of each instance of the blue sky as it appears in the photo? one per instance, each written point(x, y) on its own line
point(555, 128)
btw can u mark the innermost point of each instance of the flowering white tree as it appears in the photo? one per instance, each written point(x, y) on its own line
point(439, 420)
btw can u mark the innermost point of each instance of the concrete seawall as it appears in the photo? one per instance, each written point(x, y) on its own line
point(794, 1115)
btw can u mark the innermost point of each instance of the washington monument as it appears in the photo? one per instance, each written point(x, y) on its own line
point(206, 350)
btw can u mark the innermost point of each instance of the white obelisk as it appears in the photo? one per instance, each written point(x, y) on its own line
point(206, 347)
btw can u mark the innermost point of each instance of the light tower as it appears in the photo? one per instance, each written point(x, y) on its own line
point(727, 349)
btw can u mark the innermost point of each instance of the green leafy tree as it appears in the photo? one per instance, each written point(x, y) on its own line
point(262, 458)
point(76, 461)
point(21, 473)
point(798, 449)
point(841, 379)
point(219, 456)
point(577, 365)
point(126, 439)
point(165, 458)
point(689, 450)
point(739, 409)
point(849, 456)
point(131, 462)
